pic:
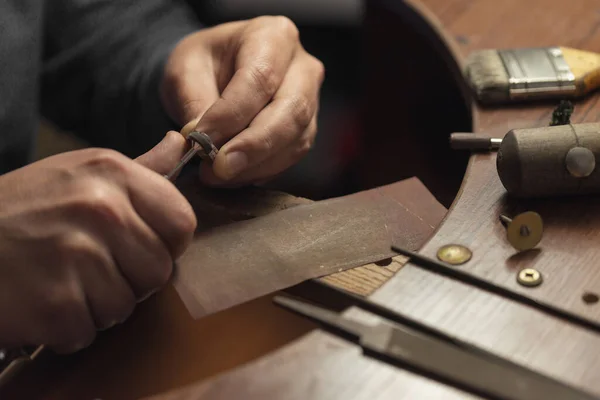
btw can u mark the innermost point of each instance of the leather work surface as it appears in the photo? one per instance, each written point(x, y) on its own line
point(239, 261)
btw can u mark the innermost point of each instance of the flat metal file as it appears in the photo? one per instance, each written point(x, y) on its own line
point(471, 371)
point(202, 146)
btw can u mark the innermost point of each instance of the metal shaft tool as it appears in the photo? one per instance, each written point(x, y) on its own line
point(202, 146)
point(544, 161)
point(463, 366)
point(474, 142)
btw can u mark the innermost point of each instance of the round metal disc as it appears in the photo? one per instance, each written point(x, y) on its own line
point(525, 231)
point(454, 254)
point(529, 277)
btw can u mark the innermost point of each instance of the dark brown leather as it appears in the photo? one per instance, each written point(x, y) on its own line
point(240, 261)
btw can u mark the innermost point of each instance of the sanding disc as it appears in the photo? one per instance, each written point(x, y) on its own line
point(525, 230)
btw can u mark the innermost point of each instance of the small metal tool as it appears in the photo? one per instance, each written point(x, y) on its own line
point(550, 161)
point(474, 142)
point(480, 372)
point(523, 232)
point(202, 146)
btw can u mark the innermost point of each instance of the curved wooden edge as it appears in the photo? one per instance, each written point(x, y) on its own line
point(421, 76)
point(426, 21)
point(446, 43)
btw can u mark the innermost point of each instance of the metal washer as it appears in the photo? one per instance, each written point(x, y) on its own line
point(454, 254)
point(525, 231)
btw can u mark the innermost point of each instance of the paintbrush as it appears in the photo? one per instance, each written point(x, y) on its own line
point(525, 74)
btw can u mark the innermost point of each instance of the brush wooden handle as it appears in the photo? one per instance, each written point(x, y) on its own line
point(585, 66)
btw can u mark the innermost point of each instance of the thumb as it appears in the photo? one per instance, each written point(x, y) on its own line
point(163, 157)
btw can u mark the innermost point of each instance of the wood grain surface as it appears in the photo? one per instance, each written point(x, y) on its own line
point(567, 255)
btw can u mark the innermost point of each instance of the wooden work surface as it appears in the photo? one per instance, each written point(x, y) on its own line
point(320, 365)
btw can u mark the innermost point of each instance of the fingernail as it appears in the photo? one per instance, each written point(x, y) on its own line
point(185, 131)
point(235, 163)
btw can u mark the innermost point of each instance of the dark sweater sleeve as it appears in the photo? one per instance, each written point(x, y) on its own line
point(103, 61)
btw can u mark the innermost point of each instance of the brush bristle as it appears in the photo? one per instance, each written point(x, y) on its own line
point(487, 76)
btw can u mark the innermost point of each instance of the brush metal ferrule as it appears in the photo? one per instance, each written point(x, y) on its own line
point(537, 72)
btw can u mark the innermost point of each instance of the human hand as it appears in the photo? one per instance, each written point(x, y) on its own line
point(252, 87)
point(83, 236)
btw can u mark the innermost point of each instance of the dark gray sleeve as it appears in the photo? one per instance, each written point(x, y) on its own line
point(103, 61)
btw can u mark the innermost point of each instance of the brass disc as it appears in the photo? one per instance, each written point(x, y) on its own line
point(529, 277)
point(525, 231)
point(454, 254)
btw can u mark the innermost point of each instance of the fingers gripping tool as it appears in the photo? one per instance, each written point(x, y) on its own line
point(202, 146)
